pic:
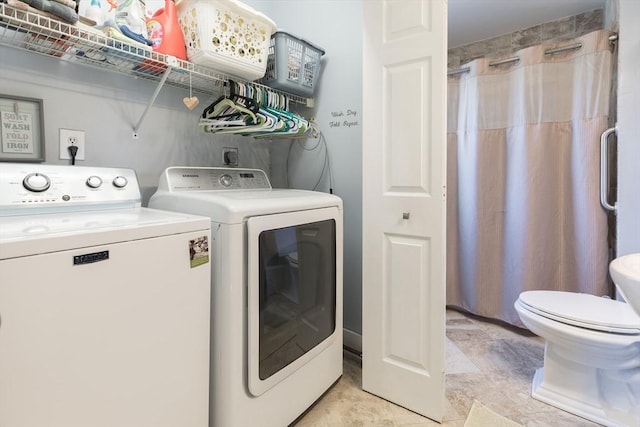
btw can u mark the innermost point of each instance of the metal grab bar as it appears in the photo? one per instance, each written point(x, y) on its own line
point(604, 169)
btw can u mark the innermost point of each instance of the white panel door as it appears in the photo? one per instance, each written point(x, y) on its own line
point(404, 154)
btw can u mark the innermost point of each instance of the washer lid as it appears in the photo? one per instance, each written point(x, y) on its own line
point(38, 234)
point(583, 310)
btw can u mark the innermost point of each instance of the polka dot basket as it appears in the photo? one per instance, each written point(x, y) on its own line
point(226, 35)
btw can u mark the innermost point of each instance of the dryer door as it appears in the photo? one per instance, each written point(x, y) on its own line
point(293, 278)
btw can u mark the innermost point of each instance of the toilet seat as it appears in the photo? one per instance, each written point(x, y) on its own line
point(583, 310)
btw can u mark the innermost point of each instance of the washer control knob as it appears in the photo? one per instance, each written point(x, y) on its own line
point(120, 181)
point(226, 180)
point(94, 181)
point(36, 182)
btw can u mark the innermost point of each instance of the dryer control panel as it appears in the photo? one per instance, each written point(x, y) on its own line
point(36, 188)
point(212, 179)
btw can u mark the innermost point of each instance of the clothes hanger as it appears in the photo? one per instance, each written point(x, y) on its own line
point(207, 110)
point(255, 111)
point(213, 112)
point(220, 119)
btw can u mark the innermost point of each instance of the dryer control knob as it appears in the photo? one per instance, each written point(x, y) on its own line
point(226, 180)
point(120, 181)
point(94, 181)
point(36, 182)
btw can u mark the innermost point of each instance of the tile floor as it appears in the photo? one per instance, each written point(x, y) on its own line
point(485, 361)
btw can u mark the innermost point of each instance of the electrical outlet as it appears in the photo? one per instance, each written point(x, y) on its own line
point(69, 137)
point(230, 156)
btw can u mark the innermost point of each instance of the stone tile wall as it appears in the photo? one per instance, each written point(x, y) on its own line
point(503, 46)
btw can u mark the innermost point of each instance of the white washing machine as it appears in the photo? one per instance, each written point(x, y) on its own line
point(276, 343)
point(104, 305)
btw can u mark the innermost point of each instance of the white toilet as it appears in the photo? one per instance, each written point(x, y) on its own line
point(592, 355)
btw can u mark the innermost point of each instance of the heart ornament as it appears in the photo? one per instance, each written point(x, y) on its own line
point(191, 102)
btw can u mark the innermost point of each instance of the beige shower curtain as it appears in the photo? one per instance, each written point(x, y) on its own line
point(523, 177)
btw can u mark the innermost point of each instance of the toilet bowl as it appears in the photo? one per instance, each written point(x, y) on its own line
point(592, 355)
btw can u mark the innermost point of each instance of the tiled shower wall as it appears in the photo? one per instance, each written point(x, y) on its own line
point(504, 45)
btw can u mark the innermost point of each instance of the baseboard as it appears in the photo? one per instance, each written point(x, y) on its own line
point(352, 340)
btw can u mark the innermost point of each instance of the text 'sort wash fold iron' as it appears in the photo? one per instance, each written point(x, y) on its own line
point(276, 259)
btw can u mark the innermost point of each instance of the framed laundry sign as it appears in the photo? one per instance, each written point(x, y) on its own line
point(22, 129)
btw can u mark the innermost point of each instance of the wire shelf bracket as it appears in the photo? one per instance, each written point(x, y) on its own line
point(172, 62)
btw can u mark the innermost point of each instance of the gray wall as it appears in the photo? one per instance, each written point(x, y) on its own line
point(107, 105)
point(336, 26)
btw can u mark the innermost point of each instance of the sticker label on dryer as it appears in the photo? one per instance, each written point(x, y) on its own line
point(199, 251)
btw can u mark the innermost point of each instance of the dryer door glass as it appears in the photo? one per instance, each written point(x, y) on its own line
point(294, 292)
point(297, 292)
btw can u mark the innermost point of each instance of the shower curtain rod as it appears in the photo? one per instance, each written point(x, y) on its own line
point(612, 38)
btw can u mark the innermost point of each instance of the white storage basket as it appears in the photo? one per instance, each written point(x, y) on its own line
point(226, 35)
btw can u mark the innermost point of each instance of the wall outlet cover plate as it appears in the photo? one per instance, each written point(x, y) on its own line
point(69, 137)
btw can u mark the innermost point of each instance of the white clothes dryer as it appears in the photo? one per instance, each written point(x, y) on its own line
point(276, 343)
point(104, 306)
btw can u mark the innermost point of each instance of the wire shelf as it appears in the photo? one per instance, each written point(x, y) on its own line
point(87, 46)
